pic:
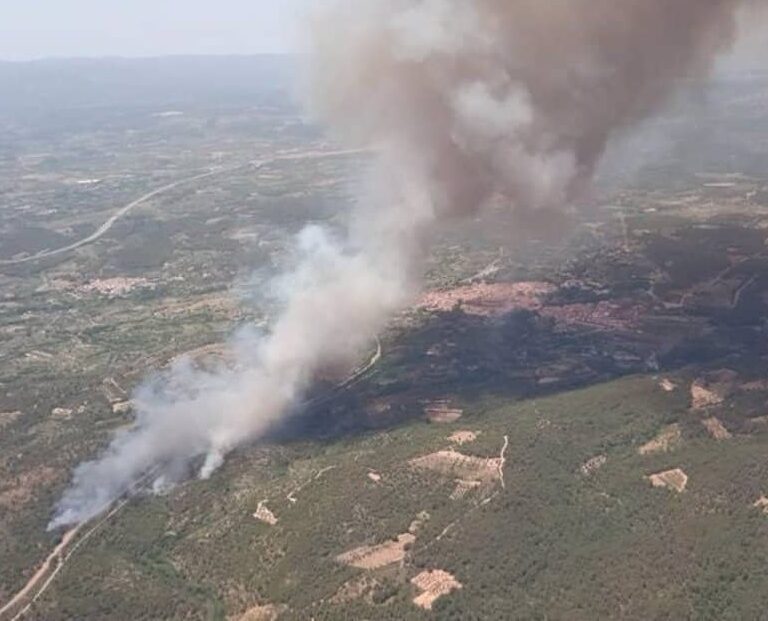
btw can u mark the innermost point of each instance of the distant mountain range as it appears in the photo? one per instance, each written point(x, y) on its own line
point(42, 85)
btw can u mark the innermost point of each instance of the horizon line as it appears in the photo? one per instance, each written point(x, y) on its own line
point(20, 61)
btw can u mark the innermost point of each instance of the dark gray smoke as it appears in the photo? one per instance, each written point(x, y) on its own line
point(464, 101)
point(517, 97)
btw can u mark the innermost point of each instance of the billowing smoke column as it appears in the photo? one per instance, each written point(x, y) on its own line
point(464, 101)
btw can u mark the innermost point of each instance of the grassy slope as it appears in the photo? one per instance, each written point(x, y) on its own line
point(553, 544)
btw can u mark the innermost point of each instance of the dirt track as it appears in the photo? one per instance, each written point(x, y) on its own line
point(40, 574)
point(47, 574)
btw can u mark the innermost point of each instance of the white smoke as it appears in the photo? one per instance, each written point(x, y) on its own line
point(464, 101)
point(336, 300)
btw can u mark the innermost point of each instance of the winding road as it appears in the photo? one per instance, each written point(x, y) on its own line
point(47, 572)
point(38, 584)
point(114, 218)
point(37, 577)
point(98, 233)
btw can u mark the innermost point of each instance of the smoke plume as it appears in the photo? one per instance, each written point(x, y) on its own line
point(464, 102)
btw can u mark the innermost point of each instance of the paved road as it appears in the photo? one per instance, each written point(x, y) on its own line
point(256, 164)
point(114, 218)
point(47, 571)
point(42, 579)
point(37, 577)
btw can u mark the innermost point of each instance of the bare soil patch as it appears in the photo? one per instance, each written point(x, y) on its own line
point(381, 555)
point(61, 413)
point(762, 504)
point(463, 487)
point(667, 385)
point(263, 514)
point(667, 439)
point(422, 518)
point(589, 467)
point(462, 467)
point(462, 437)
point(115, 287)
point(267, 612)
point(488, 299)
point(113, 391)
point(433, 585)
point(716, 429)
point(713, 388)
point(122, 408)
point(675, 480)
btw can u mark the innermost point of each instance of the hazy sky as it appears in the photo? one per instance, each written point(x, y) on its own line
point(40, 28)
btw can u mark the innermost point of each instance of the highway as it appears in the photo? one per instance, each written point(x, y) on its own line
point(98, 233)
